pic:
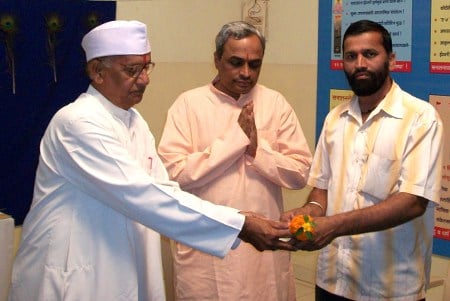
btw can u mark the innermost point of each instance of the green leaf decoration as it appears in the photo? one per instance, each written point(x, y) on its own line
point(299, 232)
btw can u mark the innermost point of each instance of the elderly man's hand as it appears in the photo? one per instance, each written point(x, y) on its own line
point(265, 234)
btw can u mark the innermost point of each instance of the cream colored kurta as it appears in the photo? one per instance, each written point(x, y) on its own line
point(100, 187)
point(203, 148)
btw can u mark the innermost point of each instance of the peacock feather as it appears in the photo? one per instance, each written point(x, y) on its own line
point(92, 20)
point(54, 25)
point(8, 28)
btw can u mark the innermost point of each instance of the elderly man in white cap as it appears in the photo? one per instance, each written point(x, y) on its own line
point(102, 194)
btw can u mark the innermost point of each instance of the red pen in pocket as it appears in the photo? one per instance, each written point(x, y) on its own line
point(150, 159)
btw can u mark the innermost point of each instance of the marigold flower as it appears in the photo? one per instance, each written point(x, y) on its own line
point(302, 227)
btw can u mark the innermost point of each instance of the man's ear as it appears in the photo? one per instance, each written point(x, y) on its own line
point(96, 70)
point(216, 59)
point(392, 61)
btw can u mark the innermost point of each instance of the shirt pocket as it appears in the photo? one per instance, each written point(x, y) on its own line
point(381, 177)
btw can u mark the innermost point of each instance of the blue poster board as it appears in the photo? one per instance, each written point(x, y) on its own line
point(418, 81)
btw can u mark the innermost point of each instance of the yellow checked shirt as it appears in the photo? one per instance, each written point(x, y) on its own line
point(398, 149)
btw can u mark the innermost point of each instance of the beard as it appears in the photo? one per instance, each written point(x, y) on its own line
point(370, 85)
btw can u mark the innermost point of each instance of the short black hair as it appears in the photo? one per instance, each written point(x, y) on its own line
point(363, 26)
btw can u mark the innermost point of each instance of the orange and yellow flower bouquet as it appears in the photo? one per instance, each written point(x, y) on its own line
point(302, 227)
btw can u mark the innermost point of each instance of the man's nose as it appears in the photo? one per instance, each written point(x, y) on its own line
point(245, 70)
point(361, 61)
point(143, 78)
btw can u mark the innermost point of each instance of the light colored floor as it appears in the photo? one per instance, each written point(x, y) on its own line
point(305, 291)
point(304, 270)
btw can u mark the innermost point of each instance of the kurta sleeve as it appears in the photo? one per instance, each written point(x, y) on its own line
point(192, 153)
point(91, 157)
point(283, 154)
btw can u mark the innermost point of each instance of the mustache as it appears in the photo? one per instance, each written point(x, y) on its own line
point(370, 76)
point(362, 71)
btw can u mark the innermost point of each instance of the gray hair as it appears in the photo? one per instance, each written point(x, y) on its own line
point(236, 30)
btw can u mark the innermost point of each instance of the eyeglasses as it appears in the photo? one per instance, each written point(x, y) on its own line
point(135, 71)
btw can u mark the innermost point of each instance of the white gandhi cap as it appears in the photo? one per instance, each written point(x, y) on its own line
point(116, 38)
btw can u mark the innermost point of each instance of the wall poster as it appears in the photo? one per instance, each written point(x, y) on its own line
point(395, 15)
point(442, 214)
point(440, 37)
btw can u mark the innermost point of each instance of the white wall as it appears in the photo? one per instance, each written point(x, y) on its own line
point(184, 30)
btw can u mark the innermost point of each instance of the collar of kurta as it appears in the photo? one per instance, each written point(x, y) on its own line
point(126, 116)
point(243, 99)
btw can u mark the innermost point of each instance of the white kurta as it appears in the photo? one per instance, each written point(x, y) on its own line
point(203, 147)
point(96, 195)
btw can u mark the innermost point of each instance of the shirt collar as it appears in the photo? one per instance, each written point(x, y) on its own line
point(391, 104)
